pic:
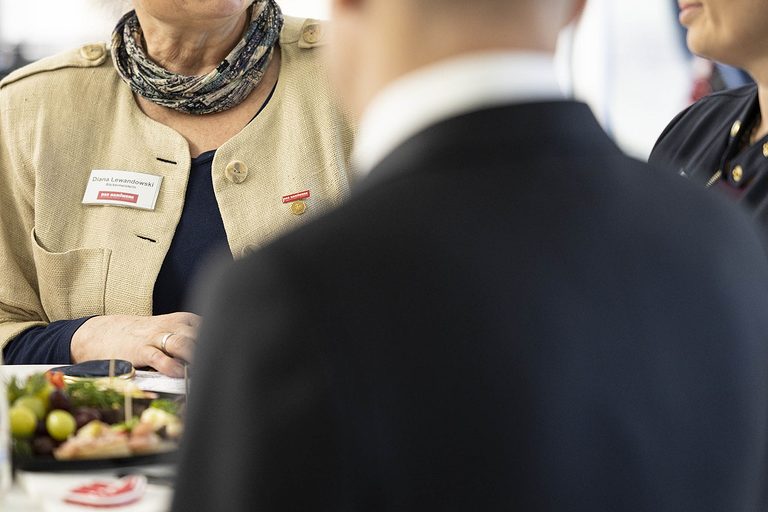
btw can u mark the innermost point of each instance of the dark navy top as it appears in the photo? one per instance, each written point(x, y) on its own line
point(200, 233)
point(709, 143)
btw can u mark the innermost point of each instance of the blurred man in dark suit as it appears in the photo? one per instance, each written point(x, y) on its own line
point(509, 314)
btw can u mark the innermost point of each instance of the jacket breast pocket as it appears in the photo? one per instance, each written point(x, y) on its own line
point(71, 284)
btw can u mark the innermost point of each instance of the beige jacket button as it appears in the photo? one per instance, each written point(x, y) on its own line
point(765, 150)
point(737, 173)
point(313, 33)
point(92, 51)
point(248, 250)
point(236, 171)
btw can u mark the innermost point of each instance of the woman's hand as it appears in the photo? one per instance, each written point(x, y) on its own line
point(139, 340)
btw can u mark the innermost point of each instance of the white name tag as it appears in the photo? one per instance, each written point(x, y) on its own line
point(122, 188)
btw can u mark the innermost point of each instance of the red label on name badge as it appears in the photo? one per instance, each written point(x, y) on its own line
point(295, 197)
point(118, 196)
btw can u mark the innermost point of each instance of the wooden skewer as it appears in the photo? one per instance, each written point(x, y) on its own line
point(127, 393)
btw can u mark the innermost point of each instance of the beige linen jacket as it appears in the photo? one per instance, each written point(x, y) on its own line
point(66, 115)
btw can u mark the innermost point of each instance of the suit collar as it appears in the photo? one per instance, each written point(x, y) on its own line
point(521, 134)
point(447, 89)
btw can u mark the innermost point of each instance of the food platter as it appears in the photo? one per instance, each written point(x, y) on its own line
point(91, 424)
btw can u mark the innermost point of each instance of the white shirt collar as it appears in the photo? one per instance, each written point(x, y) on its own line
point(447, 89)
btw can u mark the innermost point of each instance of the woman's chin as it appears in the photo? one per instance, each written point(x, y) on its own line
point(704, 47)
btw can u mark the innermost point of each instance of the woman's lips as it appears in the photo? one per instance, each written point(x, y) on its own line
point(688, 11)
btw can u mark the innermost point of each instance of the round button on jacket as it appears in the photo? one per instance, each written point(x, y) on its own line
point(92, 51)
point(737, 173)
point(248, 250)
point(312, 33)
point(236, 171)
point(736, 128)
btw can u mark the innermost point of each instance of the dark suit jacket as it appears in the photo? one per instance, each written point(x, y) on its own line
point(509, 314)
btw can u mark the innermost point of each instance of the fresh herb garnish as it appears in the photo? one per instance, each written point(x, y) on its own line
point(87, 394)
point(168, 406)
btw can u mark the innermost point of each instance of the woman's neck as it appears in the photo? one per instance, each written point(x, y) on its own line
point(757, 70)
point(194, 49)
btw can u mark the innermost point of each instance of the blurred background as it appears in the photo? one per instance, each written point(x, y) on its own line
point(627, 59)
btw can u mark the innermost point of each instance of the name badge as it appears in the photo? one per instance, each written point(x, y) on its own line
point(122, 188)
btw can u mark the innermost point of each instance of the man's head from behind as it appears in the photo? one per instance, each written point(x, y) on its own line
point(377, 41)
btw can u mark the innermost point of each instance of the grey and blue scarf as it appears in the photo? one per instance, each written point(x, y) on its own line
point(221, 89)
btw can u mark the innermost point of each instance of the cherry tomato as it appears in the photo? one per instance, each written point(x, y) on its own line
point(56, 378)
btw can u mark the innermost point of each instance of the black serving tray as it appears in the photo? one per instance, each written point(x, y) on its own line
point(50, 464)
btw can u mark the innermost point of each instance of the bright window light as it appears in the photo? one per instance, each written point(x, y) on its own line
point(47, 26)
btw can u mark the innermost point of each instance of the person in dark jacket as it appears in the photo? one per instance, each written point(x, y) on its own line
point(508, 314)
point(721, 141)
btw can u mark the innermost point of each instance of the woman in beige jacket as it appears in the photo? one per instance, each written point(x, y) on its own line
point(206, 125)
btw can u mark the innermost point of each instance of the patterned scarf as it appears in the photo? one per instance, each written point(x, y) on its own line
point(221, 89)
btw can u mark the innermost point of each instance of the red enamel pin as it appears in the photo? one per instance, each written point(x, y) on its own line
point(295, 197)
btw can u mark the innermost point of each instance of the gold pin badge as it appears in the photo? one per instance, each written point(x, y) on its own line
point(298, 207)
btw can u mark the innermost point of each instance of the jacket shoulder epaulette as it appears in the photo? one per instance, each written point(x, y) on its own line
point(306, 32)
point(87, 56)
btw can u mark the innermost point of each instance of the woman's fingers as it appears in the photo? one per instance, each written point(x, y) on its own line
point(162, 362)
point(181, 343)
point(195, 320)
point(140, 340)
